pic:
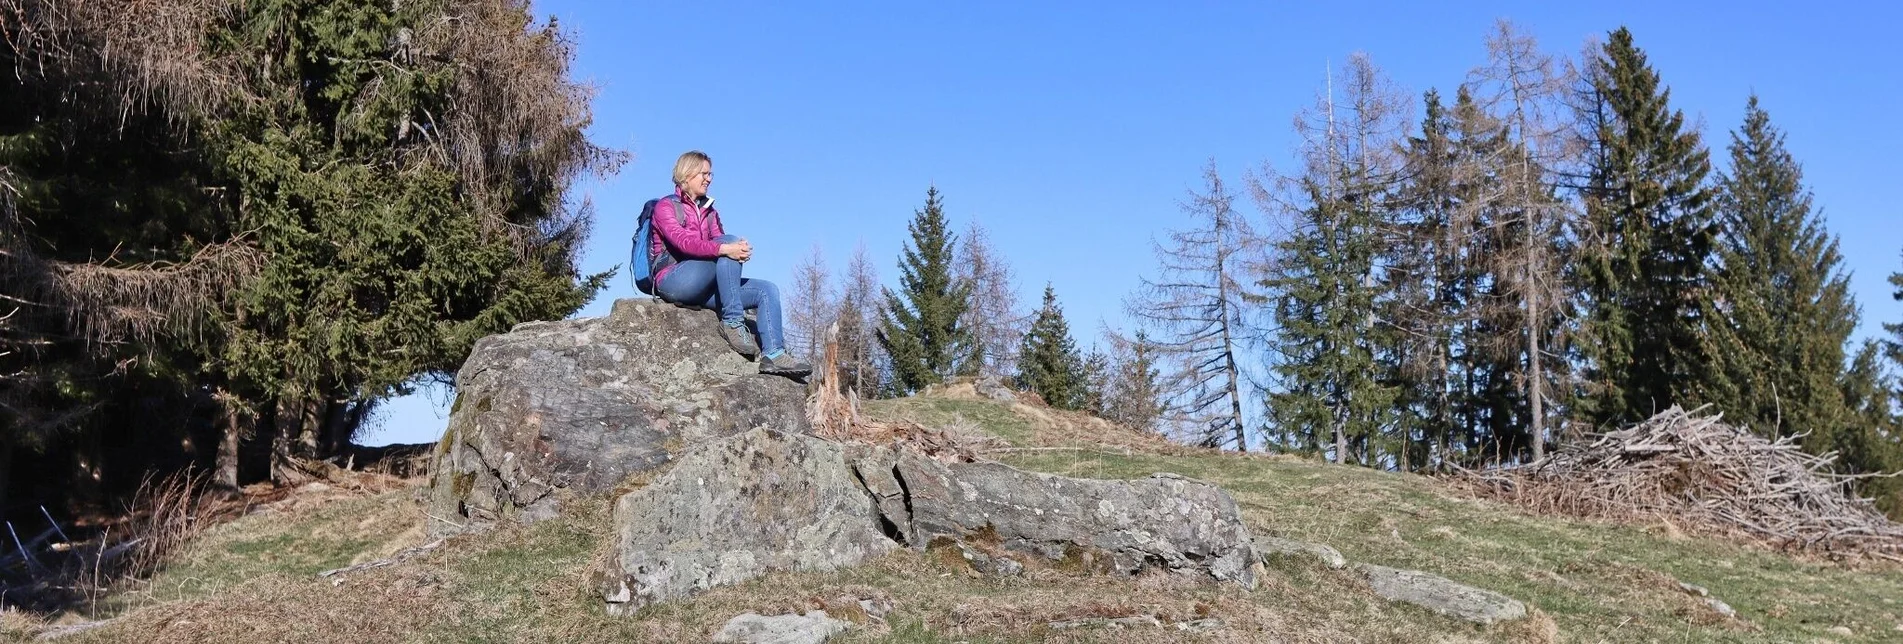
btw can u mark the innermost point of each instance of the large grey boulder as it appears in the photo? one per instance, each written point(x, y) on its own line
point(1442, 595)
point(733, 510)
point(766, 501)
point(1165, 522)
point(580, 405)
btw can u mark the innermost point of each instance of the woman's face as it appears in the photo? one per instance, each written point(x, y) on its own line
point(696, 186)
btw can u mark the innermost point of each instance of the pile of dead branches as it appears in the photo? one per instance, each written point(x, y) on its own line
point(834, 412)
point(1704, 475)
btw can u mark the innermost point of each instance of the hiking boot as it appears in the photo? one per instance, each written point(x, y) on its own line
point(785, 365)
point(740, 339)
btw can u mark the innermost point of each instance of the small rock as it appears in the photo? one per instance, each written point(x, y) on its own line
point(1270, 546)
point(878, 608)
point(994, 388)
point(1442, 595)
point(1842, 630)
point(997, 565)
point(752, 628)
point(1135, 620)
point(1716, 605)
point(1201, 625)
point(1117, 623)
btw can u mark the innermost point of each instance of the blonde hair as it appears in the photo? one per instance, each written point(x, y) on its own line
point(689, 165)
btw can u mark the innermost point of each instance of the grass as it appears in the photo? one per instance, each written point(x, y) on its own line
point(255, 579)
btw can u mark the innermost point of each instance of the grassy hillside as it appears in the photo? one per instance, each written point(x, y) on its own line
point(255, 580)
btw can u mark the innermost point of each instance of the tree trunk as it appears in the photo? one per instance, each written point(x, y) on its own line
point(287, 428)
point(6, 469)
point(1228, 343)
point(311, 414)
point(1535, 379)
point(225, 473)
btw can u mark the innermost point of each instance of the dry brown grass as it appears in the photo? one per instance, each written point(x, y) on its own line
point(533, 584)
point(536, 583)
point(167, 515)
point(16, 625)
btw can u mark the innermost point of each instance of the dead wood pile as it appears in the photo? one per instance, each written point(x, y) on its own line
point(834, 412)
point(1703, 475)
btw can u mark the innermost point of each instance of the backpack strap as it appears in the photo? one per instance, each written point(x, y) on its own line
point(666, 258)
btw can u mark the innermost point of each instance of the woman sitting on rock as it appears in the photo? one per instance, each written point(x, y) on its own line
point(698, 264)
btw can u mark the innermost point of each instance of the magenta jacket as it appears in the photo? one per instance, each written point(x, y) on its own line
point(690, 237)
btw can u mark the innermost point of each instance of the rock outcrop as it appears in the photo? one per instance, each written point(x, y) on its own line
point(1165, 522)
point(766, 501)
point(726, 482)
point(580, 405)
point(730, 511)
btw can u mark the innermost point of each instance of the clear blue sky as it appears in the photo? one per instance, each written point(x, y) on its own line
point(1071, 130)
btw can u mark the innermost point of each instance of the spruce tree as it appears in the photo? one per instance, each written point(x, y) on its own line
point(1648, 235)
point(1894, 346)
point(1454, 361)
point(1094, 380)
point(920, 328)
point(1780, 308)
point(1324, 284)
point(1134, 397)
point(1871, 441)
point(1048, 362)
point(297, 255)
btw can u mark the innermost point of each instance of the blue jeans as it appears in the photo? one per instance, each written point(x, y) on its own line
point(716, 284)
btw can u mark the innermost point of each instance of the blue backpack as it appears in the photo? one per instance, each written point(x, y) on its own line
point(641, 265)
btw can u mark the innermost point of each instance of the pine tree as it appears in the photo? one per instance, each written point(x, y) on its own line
point(1324, 283)
point(1048, 362)
point(1780, 310)
point(920, 328)
point(1648, 234)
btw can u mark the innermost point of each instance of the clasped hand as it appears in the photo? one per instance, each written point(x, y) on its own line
point(739, 251)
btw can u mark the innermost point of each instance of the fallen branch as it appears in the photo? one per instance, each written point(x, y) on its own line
point(336, 575)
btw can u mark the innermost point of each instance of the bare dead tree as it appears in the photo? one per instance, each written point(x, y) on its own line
point(1193, 305)
point(993, 317)
point(813, 307)
point(1525, 88)
point(863, 364)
